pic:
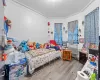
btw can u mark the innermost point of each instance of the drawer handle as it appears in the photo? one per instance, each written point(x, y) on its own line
point(2, 74)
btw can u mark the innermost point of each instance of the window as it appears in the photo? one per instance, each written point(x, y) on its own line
point(91, 33)
point(73, 32)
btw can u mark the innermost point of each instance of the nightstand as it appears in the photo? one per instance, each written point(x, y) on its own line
point(67, 54)
point(83, 57)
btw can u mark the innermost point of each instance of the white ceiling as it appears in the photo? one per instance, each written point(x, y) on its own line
point(56, 9)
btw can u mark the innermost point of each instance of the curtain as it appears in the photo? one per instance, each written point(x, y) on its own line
point(58, 33)
point(73, 32)
point(91, 34)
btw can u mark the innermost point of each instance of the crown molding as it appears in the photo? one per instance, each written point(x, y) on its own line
point(53, 17)
point(27, 7)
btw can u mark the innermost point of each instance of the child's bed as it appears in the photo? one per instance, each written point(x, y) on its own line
point(39, 57)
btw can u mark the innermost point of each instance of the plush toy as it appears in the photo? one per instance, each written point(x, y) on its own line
point(44, 45)
point(47, 46)
point(24, 47)
point(93, 59)
point(9, 42)
point(30, 44)
point(41, 46)
point(31, 47)
point(53, 43)
point(34, 45)
point(8, 22)
point(37, 45)
point(7, 25)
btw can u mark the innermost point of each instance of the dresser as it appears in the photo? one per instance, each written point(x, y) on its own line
point(66, 54)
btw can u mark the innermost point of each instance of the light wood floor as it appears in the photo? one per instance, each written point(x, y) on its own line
point(57, 70)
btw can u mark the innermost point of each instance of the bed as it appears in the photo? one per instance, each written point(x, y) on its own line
point(39, 57)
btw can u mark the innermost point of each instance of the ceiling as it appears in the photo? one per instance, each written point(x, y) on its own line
point(62, 8)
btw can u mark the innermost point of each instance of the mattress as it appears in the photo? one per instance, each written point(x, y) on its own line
point(37, 58)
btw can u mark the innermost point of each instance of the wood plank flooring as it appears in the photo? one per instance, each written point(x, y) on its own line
point(57, 70)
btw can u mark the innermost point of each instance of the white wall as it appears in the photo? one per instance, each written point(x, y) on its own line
point(57, 20)
point(80, 17)
point(91, 7)
point(1, 16)
point(26, 24)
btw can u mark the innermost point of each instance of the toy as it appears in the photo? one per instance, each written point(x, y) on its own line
point(93, 76)
point(24, 47)
point(93, 58)
point(34, 45)
point(30, 44)
point(37, 45)
point(8, 22)
point(31, 47)
point(7, 25)
point(47, 46)
point(53, 43)
point(9, 42)
point(4, 57)
point(41, 46)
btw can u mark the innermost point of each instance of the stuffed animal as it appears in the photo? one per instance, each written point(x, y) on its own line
point(9, 42)
point(7, 25)
point(41, 46)
point(47, 46)
point(37, 45)
point(24, 47)
point(34, 45)
point(30, 44)
point(8, 22)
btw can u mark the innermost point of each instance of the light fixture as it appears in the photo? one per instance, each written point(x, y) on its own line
point(54, 1)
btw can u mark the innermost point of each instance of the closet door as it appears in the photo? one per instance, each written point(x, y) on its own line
point(58, 33)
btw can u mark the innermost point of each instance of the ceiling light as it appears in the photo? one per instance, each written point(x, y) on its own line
point(53, 1)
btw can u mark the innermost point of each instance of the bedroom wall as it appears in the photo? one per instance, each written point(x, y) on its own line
point(26, 24)
point(91, 7)
point(1, 16)
point(57, 20)
point(80, 17)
